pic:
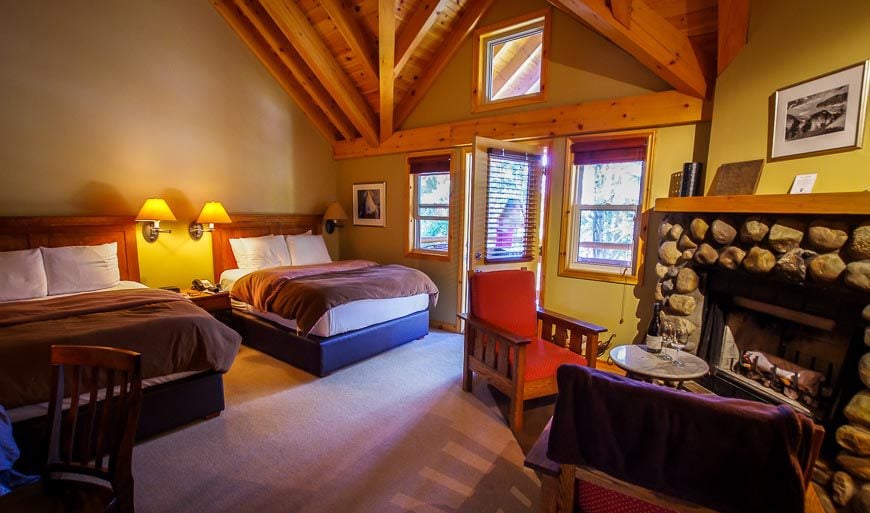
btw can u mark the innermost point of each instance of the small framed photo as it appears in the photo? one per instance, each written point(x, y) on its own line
point(369, 204)
point(822, 114)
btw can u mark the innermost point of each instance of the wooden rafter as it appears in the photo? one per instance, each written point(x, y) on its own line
point(293, 22)
point(622, 11)
point(465, 25)
point(272, 34)
point(240, 24)
point(512, 57)
point(650, 38)
point(645, 111)
point(386, 58)
point(414, 31)
point(733, 29)
point(352, 33)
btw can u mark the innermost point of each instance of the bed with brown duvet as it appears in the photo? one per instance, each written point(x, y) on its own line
point(305, 293)
point(184, 352)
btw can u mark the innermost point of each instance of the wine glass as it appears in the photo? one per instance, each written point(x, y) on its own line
point(667, 333)
point(678, 342)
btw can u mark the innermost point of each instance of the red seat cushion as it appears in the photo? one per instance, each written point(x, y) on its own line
point(506, 299)
point(543, 358)
point(592, 498)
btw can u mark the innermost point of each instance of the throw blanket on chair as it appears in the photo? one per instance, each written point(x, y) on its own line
point(726, 454)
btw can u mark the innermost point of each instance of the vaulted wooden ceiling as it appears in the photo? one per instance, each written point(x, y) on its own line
point(358, 68)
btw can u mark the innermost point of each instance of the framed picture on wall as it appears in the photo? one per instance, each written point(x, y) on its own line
point(369, 204)
point(822, 114)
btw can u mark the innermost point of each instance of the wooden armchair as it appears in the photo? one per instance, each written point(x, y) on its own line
point(516, 345)
point(615, 444)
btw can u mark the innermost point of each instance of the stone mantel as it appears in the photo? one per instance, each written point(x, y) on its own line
point(832, 203)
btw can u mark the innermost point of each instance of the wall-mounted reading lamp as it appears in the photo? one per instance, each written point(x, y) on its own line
point(152, 212)
point(334, 212)
point(212, 212)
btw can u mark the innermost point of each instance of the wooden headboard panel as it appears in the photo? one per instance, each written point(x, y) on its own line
point(256, 225)
point(54, 231)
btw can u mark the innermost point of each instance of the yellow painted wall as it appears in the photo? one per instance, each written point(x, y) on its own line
point(583, 67)
point(106, 104)
point(625, 310)
point(789, 41)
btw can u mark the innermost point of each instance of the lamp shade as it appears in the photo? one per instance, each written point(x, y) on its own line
point(155, 209)
point(335, 212)
point(213, 212)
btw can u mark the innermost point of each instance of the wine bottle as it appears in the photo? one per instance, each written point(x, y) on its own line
point(653, 339)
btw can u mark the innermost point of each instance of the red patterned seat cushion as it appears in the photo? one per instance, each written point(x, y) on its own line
point(592, 498)
point(543, 358)
point(506, 299)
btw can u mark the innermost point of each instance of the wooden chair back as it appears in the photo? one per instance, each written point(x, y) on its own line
point(96, 438)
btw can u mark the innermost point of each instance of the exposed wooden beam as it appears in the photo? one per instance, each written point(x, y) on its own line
point(414, 31)
point(650, 38)
point(240, 24)
point(468, 20)
point(349, 28)
point(733, 30)
point(646, 111)
point(272, 34)
point(293, 22)
point(622, 11)
point(386, 59)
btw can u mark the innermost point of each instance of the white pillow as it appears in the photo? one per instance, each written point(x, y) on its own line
point(260, 252)
point(72, 269)
point(22, 275)
point(307, 249)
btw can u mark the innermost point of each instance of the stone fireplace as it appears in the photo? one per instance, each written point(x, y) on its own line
point(774, 292)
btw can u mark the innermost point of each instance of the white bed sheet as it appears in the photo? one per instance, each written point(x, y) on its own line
point(36, 410)
point(121, 285)
point(341, 319)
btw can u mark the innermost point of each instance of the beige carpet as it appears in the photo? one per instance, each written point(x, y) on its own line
point(394, 433)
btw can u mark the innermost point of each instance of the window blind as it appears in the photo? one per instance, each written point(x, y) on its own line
point(512, 196)
point(609, 151)
point(430, 164)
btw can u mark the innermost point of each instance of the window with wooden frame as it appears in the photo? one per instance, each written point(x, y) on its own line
point(429, 177)
point(511, 62)
point(512, 193)
point(606, 192)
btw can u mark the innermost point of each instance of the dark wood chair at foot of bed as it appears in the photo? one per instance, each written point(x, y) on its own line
point(318, 355)
point(86, 440)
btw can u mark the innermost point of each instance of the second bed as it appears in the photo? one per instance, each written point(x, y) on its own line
point(322, 332)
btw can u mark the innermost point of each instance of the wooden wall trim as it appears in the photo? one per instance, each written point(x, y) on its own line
point(646, 111)
point(54, 231)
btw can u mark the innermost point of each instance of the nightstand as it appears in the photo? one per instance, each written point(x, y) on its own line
point(217, 304)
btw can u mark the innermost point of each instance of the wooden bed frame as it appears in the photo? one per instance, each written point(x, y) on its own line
point(317, 355)
point(164, 406)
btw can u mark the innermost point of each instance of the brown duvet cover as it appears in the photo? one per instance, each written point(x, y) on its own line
point(172, 334)
point(305, 293)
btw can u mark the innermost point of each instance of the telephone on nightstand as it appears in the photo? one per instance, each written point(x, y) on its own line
point(204, 285)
